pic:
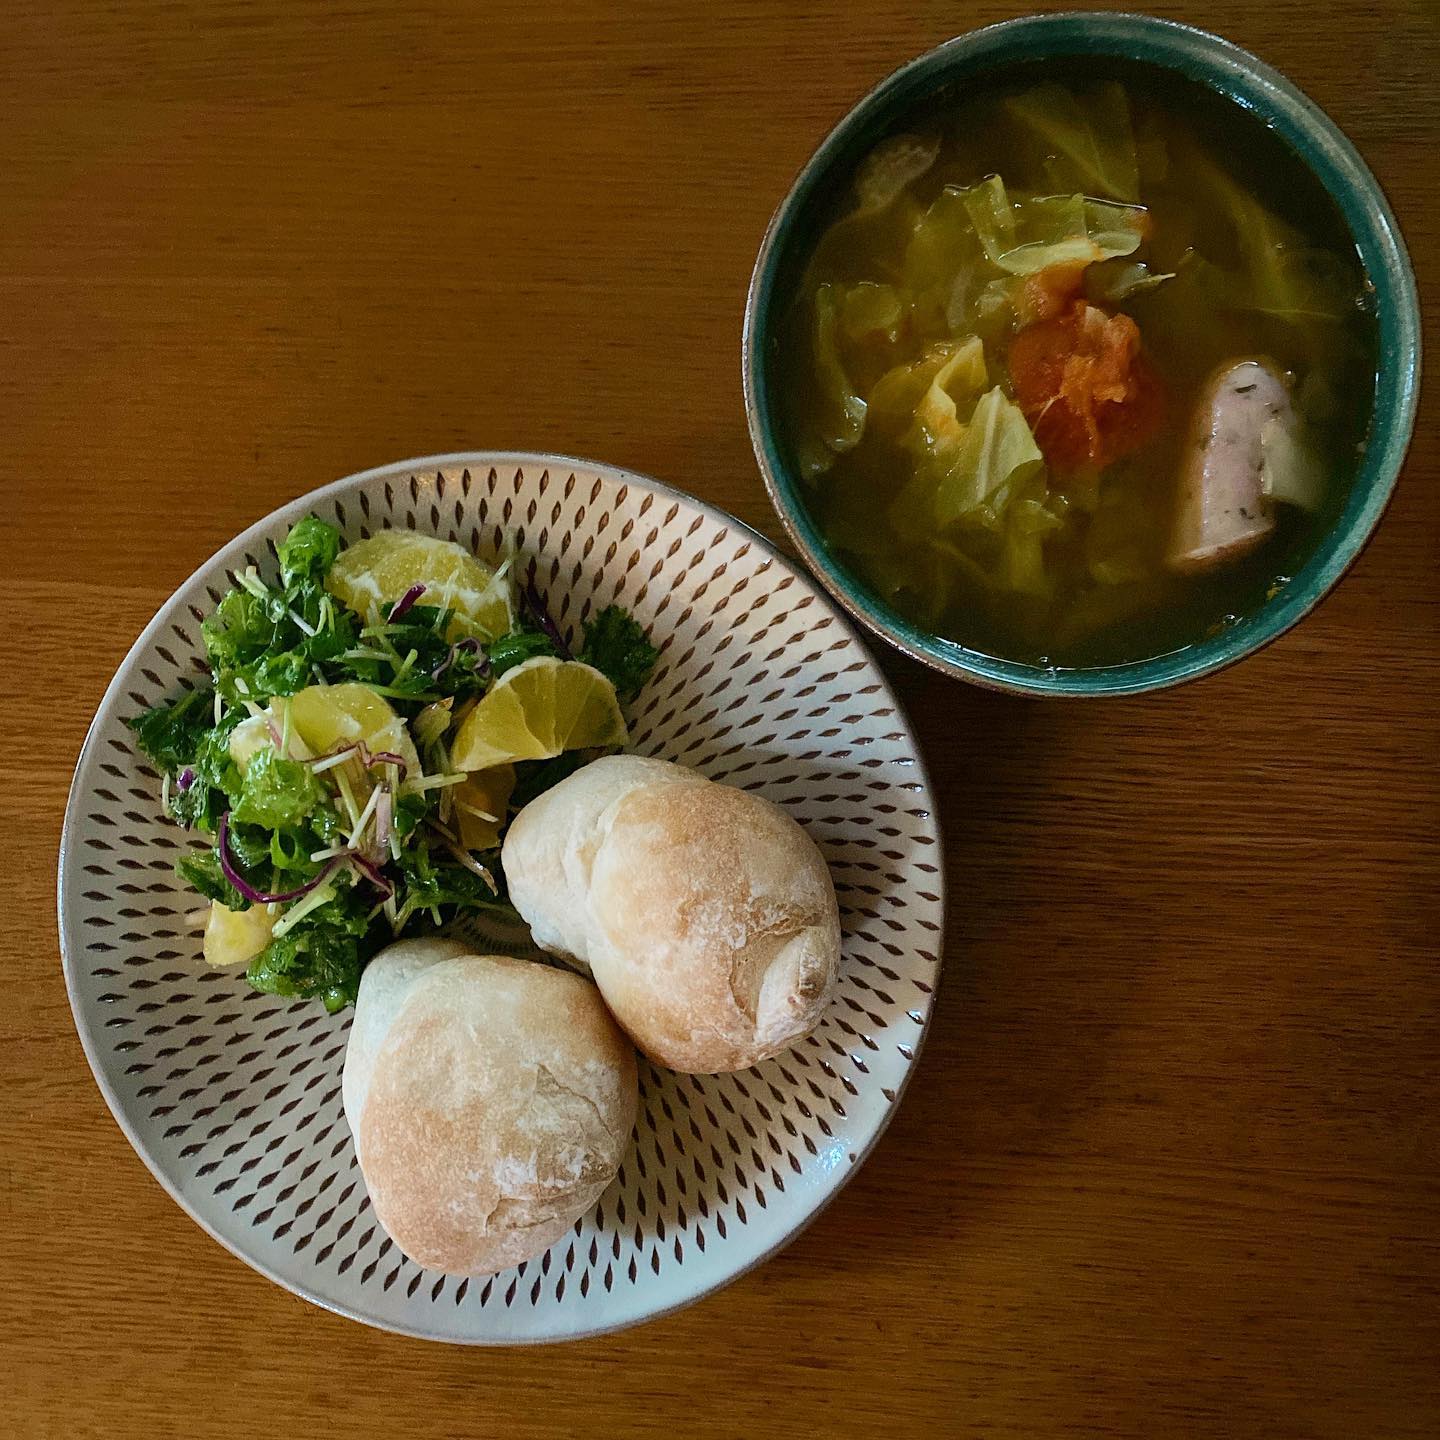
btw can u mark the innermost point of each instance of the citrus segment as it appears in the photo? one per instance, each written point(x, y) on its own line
point(235, 937)
point(370, 576)
point(325, 717)
point(480, 802)
point(535, 711)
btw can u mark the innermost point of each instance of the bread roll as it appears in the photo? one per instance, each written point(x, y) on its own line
point(555, 851)
point(491, 1101)
point(383, 986)
point(705, 913)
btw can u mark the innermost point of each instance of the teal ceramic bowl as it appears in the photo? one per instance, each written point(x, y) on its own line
point(1300, 124)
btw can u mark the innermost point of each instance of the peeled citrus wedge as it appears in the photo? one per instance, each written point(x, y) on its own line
point(371, 575)
point(535, 711)
point(479, 804)
point(252, 736)
point(235, 937)
point(326, 717)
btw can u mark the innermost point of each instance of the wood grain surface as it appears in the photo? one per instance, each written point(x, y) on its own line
point(1171, 1162)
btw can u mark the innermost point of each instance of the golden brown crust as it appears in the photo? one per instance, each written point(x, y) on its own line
point(706, 913)
point(500, 1105)
point(550, 847)
point(384, 985)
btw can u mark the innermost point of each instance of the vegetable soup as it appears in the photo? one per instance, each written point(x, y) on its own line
point(1081, 366)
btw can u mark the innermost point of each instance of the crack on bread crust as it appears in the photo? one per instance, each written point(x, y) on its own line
point(751, 964)
point(555, 1087)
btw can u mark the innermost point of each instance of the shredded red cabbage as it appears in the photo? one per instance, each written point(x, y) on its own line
point(536, 606)
point(404, 603)
point(366, 757)
point(259, 897)
point(185, 779)
point(374, 874)
point(468, 646)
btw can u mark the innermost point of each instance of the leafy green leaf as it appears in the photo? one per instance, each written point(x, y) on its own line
point(423, 630)
point(240, 631)
point(215, 778)
point(336, 629)
point(290, 851)
point(327, 827)
point(517, 647)
point(266, 642)
point(199, 807)
point(617, 646)
point(250, 850)
point(277, 792)
point(431, 882)
point(201, 869)
point(171, 734)
point(322, 955)
point(413, 658)
point(309, 550)
point(270, 675)
point(213, 763)
point(410, 810)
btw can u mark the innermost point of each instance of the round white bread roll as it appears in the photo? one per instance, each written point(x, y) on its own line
point(491, 1101)
point(705, 913)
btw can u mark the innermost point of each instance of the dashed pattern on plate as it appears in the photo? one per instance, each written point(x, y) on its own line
point(233, 1097)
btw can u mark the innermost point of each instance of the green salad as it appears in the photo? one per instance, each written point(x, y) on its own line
point(373, 717)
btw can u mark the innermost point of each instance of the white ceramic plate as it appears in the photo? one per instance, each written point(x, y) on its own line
point(233, 1098)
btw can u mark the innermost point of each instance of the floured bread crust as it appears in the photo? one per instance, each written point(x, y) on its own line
point(705, 913)
point(499, 1106)
point(385, 983)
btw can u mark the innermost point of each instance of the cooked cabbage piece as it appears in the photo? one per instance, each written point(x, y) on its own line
point(1082, 144)
point(1029, 233)
point(995, 452)
point(892, 166)
point(840, 411)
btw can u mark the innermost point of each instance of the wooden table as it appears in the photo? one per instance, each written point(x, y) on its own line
point(1170, 1163)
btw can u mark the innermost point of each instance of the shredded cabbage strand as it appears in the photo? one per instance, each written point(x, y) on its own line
point(841, 421)
point(1029, 233)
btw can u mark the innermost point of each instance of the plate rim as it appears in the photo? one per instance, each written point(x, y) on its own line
point(474, 460)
